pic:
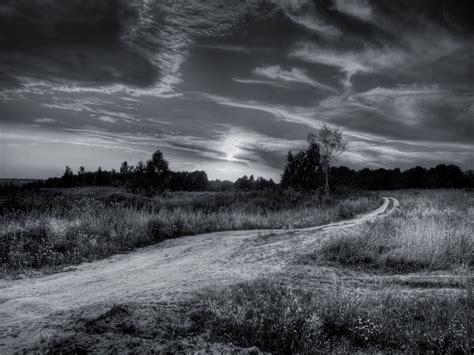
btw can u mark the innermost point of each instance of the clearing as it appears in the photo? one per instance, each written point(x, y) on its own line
point(33, 308)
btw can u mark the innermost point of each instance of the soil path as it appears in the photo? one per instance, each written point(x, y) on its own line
point(37, 307)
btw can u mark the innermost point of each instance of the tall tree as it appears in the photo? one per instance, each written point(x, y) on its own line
point(157, 172)
point(160, 165)
point(331, 146)
point(125, 170)
point(81, 176)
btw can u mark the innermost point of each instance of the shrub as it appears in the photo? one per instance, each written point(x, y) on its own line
point(161, 229)
point(28, 246)
point(158, 230)
point(260, 314)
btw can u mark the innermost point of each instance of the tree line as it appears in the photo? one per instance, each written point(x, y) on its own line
point(150, 177)
point(440, 176)
point(308, 170)
point(312, 169)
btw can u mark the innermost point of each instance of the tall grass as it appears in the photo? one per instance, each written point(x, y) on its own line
point(282, 320)
point(279, 319)
point(50, 229)
point(429, 231)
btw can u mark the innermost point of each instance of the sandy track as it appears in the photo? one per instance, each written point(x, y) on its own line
point(36, 307)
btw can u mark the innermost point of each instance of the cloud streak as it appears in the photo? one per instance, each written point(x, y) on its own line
point(357, 8)
point(294, 75)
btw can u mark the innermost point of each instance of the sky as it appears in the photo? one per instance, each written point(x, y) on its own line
point(230, 86)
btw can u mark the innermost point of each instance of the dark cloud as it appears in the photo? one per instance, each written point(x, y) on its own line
point(456, 16)
point(27, 21)
point(64, 41)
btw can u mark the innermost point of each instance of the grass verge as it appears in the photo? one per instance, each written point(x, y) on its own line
point(267, 316)
point(428, 232)
point(45, 229)
point(283, 320)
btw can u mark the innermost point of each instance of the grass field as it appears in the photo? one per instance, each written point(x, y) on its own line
point(400, 284)
point(67, 226)
point(431, 230)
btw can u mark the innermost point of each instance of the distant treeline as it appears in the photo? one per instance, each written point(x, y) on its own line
point(150, 177)
point(154, 176)
point(441, 176)
point(178, 181)
point(311, 169)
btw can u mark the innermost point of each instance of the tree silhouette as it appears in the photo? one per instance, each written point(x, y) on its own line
point(81, 176)
point(68, 177)
point(125, 171)
point(303, 170)
point(331, 147)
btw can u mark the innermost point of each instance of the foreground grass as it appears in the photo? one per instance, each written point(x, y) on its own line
point(280, 319)
point(341, 308)
point(430, 231)
point(283, 320)
point(52, 229)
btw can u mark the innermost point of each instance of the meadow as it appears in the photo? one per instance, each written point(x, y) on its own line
point(400, 284)
point(432, 230)
point(55, 227)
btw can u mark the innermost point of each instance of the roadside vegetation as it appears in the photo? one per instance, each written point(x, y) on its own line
point(265, 315)
point(59, 227)
point(284, 320)
point(349, 306)
point(432, 230)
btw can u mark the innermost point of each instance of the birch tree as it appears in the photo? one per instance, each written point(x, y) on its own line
point(331, 145)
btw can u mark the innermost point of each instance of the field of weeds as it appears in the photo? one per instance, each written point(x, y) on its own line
point(285, 320)
point(432, 230)
point(59, 227)
point(401, 284)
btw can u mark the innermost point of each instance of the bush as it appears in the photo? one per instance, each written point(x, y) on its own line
point(28, 246)
point(260, 314)
point(161, 229)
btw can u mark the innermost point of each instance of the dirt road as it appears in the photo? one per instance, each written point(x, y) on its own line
point(36, 307)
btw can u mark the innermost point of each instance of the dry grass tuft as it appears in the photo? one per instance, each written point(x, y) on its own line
point(428, 232)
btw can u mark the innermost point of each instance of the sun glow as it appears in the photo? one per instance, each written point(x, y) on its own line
point(232, 147)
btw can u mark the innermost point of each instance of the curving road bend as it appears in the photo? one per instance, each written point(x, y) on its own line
point(37, 307)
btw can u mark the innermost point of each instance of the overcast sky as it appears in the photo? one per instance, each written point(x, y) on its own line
point(230, 86)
